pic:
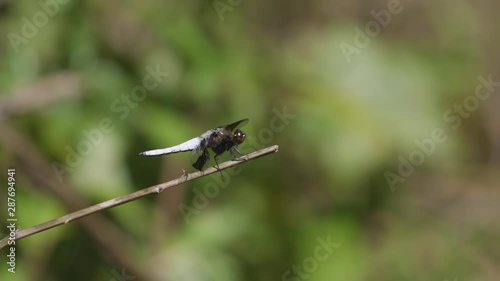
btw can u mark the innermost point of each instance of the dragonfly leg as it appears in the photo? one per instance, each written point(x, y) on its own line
point(217, 166)
point(185, 174)
point(236, 154)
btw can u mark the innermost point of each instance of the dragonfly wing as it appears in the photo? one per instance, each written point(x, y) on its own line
point(202, 160)
point(192, 144)
point(231, 127)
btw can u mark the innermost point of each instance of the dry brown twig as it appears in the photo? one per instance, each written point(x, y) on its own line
point(22, 233)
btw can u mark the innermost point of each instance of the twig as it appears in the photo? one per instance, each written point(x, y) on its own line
point(22, 233)
point(113, 243)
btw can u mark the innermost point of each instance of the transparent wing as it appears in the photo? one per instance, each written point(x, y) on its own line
point(230, 127)
point(200, 159)
point(233, 126)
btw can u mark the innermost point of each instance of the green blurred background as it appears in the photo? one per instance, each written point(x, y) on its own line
point(389, 138)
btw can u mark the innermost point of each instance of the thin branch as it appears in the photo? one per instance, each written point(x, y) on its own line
point(22, 233)
point(113, 243)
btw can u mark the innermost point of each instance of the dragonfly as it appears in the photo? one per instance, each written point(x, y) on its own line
point(219, 140)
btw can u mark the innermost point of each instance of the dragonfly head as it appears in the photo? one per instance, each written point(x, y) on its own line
point(239, 136)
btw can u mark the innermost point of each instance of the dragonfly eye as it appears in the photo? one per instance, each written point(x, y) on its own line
point(239, 136)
